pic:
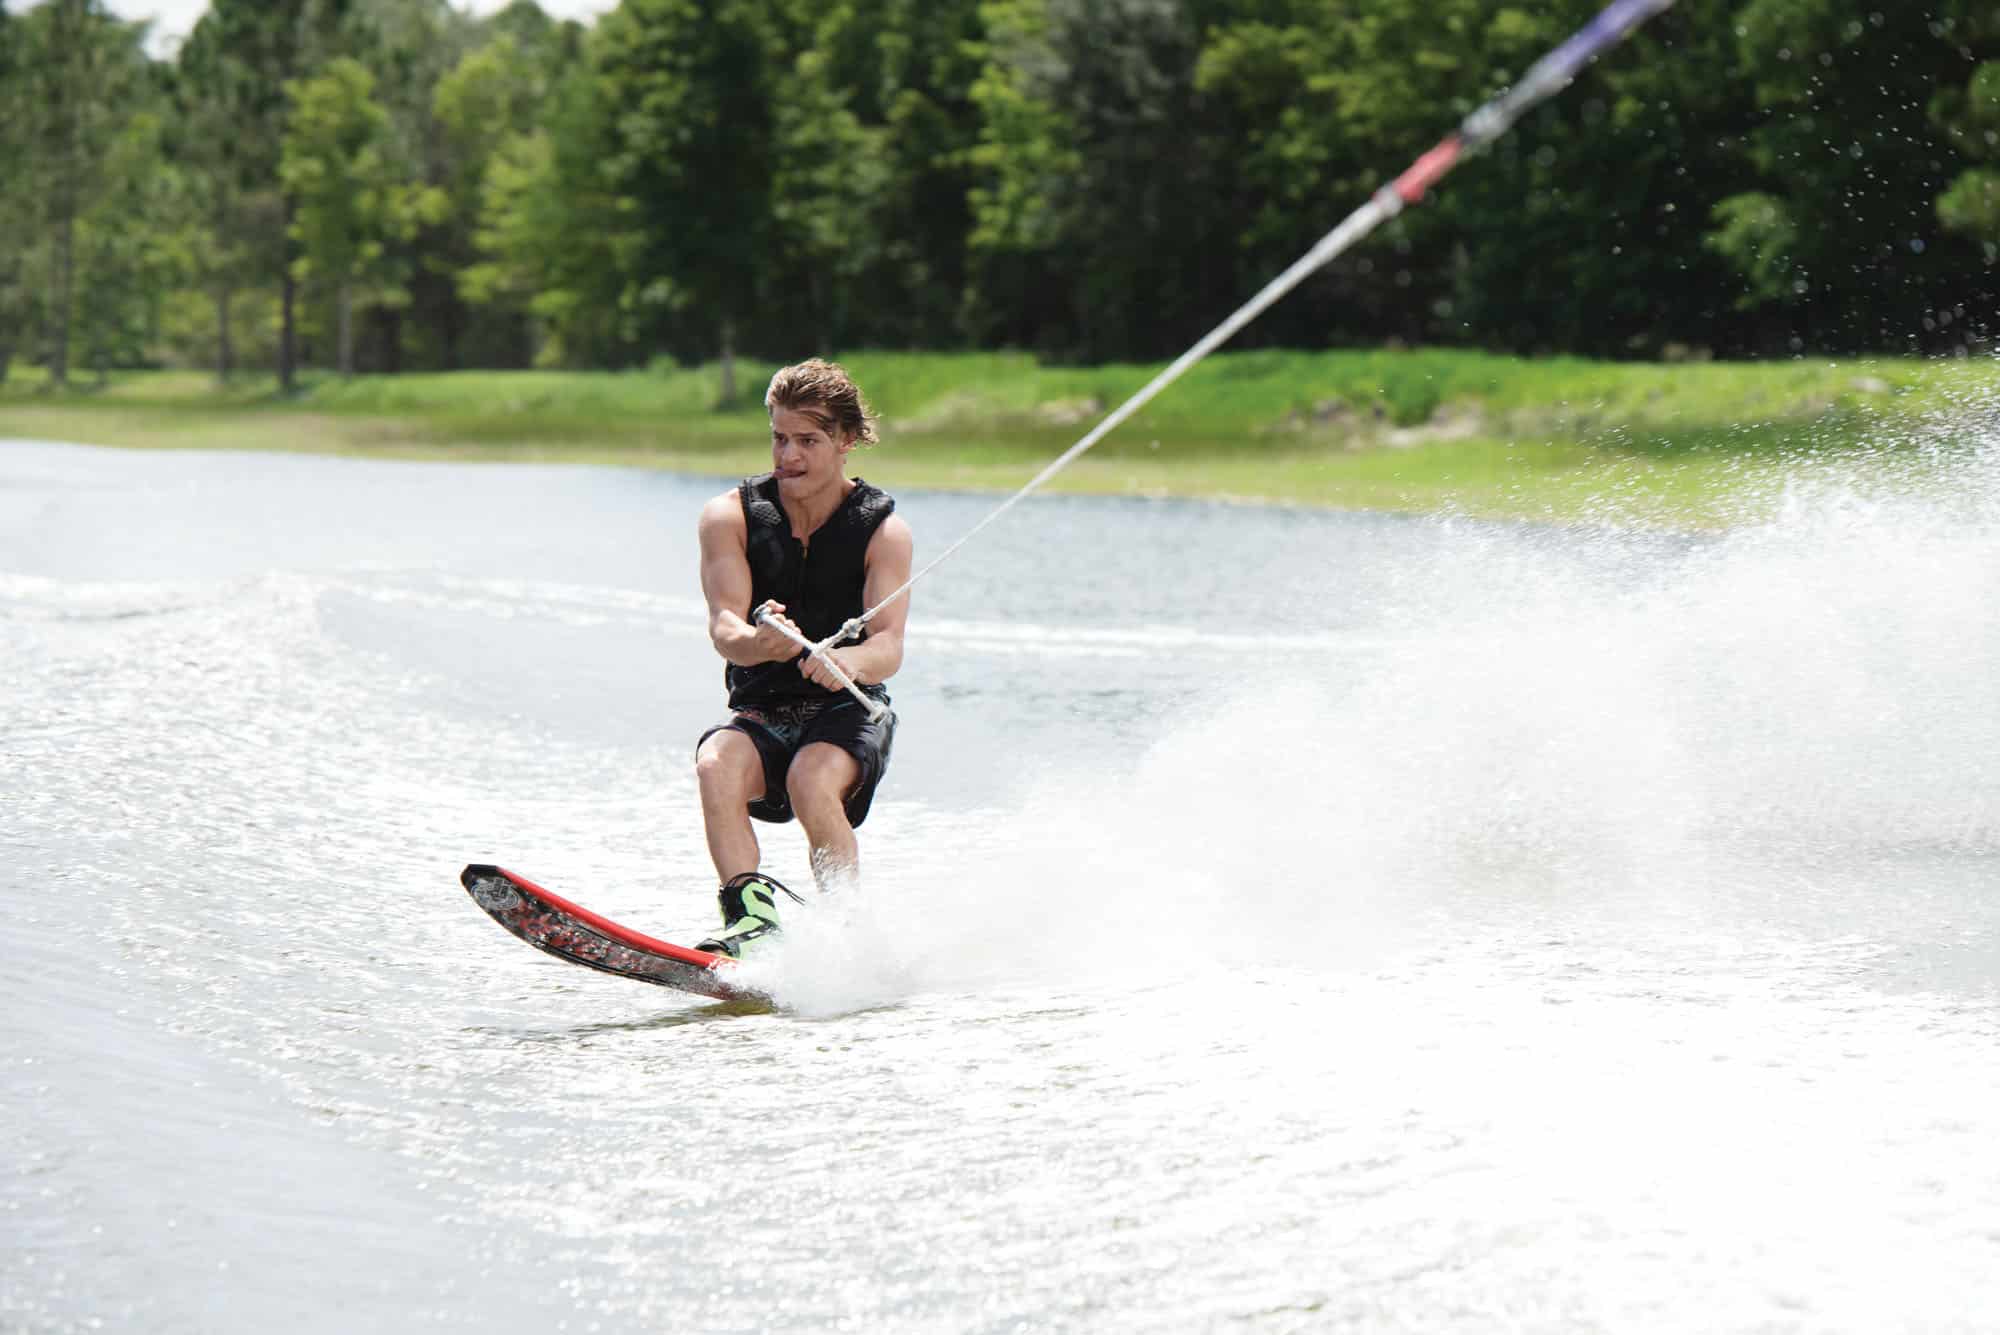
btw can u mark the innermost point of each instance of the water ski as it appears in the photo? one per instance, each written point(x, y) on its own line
point(550, 923)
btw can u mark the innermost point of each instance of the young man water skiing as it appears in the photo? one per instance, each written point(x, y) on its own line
point(810, 547)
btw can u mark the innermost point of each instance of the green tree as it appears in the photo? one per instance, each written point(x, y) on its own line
point(1327, 98)
point(1759, 237)
point(828, 173)
point(236, 216)
point(78, 76)
point(1848, 168)
point(773, 175)
point(1582, 230)
point(556, 240)
point(411, 46)
point(1026, 158)
point(1578, 230)
point(1092, 178)
point(237, 62)
point(132, 247)
point(693, 157)
point(1969, 117)
point(352, 199)
point(17, 309)
point(496, 97)
point(1100, 212)
point(877, 124)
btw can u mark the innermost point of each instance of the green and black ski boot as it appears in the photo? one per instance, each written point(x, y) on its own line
point(749, 915)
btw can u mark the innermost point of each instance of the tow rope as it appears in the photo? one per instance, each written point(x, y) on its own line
point(1545, 78)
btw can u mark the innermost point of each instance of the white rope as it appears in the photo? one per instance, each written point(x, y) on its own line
point(1358, 225)
point(876, 709)
point(1544, 79)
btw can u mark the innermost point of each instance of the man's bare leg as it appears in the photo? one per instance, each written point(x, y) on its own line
point(821, 777)
point(731, 775)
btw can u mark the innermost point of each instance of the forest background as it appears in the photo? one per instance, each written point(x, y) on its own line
point(394, 185)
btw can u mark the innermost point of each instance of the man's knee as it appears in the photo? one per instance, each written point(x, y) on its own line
point(820, 778)
point(727, 765)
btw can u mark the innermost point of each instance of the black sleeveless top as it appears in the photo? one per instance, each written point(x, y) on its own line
point(821, 583)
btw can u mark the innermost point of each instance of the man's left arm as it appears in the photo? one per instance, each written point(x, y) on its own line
point(887, 568)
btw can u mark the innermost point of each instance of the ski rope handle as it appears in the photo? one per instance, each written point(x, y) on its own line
point(876, 709)
point(1545, 78)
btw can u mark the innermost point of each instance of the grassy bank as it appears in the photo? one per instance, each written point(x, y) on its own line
point(1418, 430)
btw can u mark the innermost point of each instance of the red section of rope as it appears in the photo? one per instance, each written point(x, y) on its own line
point(1425, 171)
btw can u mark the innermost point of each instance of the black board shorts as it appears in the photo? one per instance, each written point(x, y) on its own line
point(781, 729)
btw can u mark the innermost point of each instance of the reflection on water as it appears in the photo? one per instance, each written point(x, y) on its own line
point(1273, 921)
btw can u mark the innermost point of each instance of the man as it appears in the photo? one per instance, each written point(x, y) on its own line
point(810, 548)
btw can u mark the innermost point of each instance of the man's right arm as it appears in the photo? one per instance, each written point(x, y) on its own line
point(726, 584)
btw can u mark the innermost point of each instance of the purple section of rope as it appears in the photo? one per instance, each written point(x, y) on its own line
point(1609, 27)
point(1543, 78)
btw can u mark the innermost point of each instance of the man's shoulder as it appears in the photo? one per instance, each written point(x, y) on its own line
point(723, 513)
point(892, 535)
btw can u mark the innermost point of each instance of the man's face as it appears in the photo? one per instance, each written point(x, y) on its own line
point(805, 458)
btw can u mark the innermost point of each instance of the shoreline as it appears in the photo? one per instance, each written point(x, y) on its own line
point(1692, 445)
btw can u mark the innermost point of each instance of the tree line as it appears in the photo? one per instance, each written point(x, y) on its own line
point(393, 184)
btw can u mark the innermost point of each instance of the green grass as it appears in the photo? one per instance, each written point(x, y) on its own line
point(1554, 438)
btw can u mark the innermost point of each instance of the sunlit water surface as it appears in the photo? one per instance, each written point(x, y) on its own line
point(1272, 921)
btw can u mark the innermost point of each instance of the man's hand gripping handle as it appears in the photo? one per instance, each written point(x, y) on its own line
point(876, 709)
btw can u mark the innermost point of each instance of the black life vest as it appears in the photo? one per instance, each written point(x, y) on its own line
point(822, 583)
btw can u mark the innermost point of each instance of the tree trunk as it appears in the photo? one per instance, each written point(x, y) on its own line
point(287, 333)
point(69, 60)
point(288, 295)
point(346, 331)
point(65, 294)
point(728, 362)
point(225, 351)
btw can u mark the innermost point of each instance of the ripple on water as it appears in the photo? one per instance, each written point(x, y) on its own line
point(1504, 959)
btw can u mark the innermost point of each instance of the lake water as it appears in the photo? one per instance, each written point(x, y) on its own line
point(1272, 921)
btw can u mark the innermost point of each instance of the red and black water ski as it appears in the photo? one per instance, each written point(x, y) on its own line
point(550, 923)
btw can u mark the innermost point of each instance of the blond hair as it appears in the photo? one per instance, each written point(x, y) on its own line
point(824, 392)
